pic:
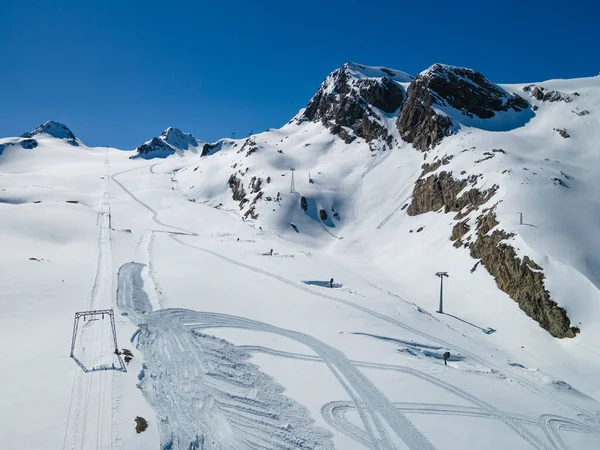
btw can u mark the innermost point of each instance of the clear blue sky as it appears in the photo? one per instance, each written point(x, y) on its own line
point(119, 72)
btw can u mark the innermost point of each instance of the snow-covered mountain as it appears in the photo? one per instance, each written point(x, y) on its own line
point(54, 129)
point(476, 139)
point(280, 291)
point(172, 141)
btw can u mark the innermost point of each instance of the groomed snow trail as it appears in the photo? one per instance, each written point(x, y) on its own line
point(90, 419)
point(204, 392)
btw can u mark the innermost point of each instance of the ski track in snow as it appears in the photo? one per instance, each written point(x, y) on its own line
point(90, 419)
point(202, 389)
point(333, 412)
point(373, 407)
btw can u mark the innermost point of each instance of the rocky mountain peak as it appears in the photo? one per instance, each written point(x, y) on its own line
point(178, 139)
point(442, 96)
point(56, 130)
point(171, 141)
point(468, 91)
point(353, 100)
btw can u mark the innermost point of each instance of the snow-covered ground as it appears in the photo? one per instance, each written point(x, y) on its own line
point(236, 348)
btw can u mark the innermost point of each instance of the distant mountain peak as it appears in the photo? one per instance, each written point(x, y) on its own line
point(56, 130)
point(171, 141)
point(179, 139)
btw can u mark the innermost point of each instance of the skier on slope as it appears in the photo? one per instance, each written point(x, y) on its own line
point(331, 283)
point(271, 252)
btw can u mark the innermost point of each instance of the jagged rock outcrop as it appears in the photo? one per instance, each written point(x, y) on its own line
point(418, 123)
point(458, 231)
point(543, 95)
point(56, 130)
point(207, 148)
point(435, 192)
point(441, 191)
point(237, 189)
point(446, 87)
point(29, 144)
point(436, 164)
point(346, 102)
point(156, 148)
point(170, 141)
point(521, 279)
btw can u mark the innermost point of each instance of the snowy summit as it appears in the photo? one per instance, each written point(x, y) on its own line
point(54, 129)
point(171, 141)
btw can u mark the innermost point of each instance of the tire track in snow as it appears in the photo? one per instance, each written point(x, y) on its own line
point(549, 423)
point(203, 390)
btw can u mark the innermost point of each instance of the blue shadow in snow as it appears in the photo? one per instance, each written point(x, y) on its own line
point(322, 283)
point(313, 212)
point(120, 368)
point(485, 330)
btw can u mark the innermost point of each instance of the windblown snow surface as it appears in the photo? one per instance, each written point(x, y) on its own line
point(235, 348)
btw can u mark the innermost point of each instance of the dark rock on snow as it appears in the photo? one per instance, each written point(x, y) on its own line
point(154, 147)
point(303, 204)
point(464, 90)
point(29, 144)
point(56, 130)
point(345, 104)
point(522, 279)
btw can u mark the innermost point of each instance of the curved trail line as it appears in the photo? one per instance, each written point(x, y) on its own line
point(203, 389)
point(550, 424)
point(373, 404)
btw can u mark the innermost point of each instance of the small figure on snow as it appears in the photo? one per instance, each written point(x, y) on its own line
point(446, 357)
point(271, 252)
point(331, 283)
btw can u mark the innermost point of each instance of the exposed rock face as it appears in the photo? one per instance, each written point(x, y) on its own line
point(29, 144)
point(470, 92)
point(418, 123)
point(458, 231)
point(171, 140)
point(522, 279)
point(56, 130)
point(434, 193)
point(345, 102)
point(303, 204)
point(430, 167)
point(541, 94)
point(207, 148)
point(563, 132)
point(464, 90)
point(239, 194)
point(441, 191)
point(155, 148)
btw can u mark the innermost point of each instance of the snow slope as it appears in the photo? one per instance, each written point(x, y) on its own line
point(236, 348)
